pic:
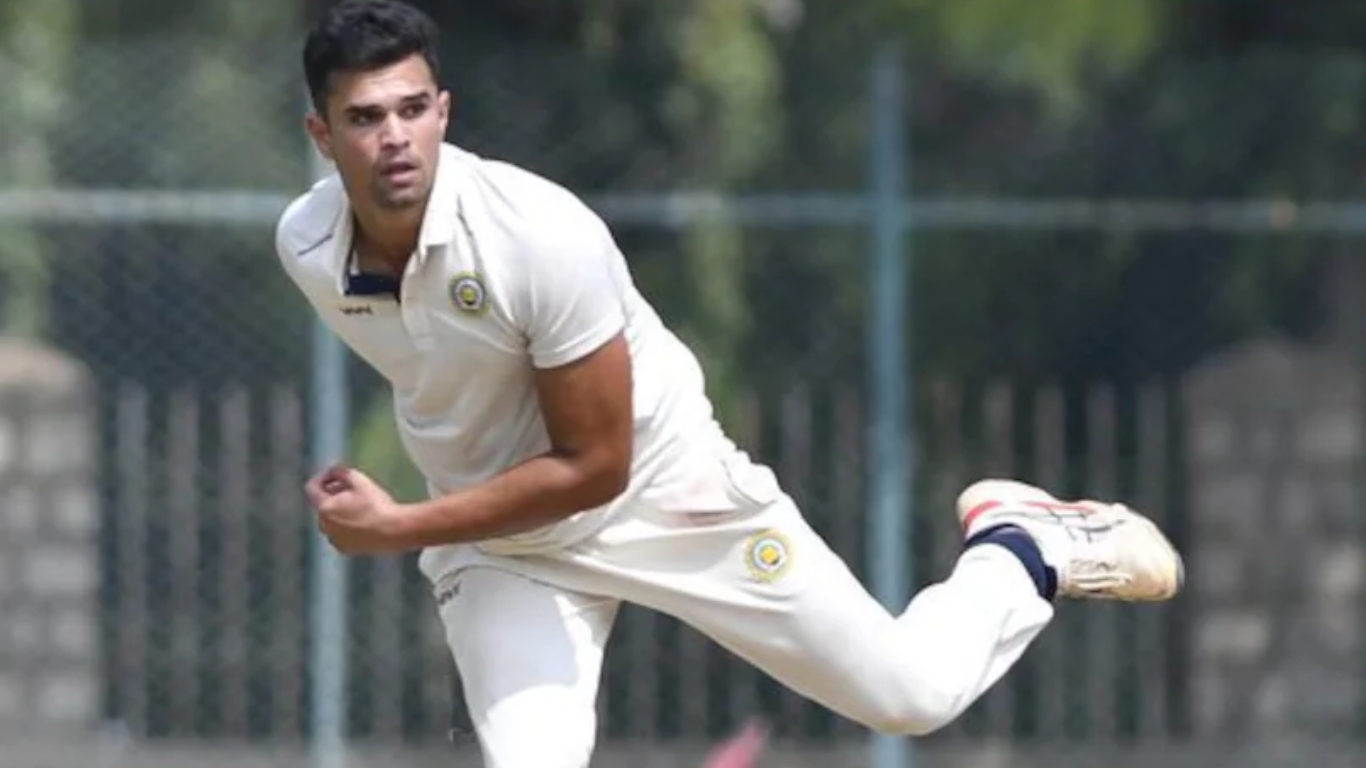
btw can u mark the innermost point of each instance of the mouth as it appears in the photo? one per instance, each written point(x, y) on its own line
point(399, 171)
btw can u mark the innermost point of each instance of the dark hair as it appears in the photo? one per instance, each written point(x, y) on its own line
point(359, 35)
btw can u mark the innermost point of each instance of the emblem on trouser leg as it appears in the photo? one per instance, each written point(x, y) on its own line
point(767, 555)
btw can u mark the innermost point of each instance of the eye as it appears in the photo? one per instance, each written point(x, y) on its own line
point(411, 111)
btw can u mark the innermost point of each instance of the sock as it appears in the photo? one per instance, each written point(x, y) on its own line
point(1026, 550)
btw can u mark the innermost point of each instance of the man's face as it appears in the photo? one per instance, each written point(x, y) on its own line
point(383, 131)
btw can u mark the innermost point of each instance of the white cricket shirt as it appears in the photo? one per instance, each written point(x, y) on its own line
point(512, 272)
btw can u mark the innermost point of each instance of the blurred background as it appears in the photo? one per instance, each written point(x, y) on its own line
point(1110, 247)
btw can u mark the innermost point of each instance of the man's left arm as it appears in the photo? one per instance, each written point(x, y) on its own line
point(574, 323)
point(586, 405)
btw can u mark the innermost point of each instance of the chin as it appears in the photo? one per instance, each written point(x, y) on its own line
point(402, 200)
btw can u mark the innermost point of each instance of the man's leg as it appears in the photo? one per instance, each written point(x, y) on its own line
point(768, 588)
point(529, 658)
point(825, 637)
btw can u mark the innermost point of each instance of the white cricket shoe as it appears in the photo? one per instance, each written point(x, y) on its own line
point(1100, 550)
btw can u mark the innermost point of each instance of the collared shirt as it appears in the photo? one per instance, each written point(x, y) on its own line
point(512, 273)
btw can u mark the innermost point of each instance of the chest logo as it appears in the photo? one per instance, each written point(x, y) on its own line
point(468, 294)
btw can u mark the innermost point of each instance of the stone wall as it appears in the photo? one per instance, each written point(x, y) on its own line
point(1277, 572)
point(49, 652)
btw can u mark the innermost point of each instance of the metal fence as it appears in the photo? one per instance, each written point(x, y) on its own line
point(1172, 351)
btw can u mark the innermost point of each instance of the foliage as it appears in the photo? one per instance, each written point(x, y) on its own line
point(36, 47)
point(1059, 99)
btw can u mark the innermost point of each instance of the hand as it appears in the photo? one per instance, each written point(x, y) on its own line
point(355, 514)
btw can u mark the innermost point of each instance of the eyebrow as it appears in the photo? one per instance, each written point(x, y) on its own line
point(421, 97)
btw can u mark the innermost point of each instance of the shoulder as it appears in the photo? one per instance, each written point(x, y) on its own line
point(309, 221)
point(532, 208)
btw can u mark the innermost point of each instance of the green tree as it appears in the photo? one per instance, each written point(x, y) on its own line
point(36, 45)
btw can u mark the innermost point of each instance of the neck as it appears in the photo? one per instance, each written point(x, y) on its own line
point(388, 235)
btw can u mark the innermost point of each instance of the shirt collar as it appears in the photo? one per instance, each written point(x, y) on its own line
point(443, 205)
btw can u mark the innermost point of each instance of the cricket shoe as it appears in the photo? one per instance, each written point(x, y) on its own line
point(1099, 550)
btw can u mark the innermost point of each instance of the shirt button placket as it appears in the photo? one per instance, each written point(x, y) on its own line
point(414, 307)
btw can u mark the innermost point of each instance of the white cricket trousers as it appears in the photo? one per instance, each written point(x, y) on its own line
point(528, 633)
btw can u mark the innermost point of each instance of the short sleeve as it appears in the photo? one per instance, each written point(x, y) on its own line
point(303, 237)
point(576, 302)
point(292, 244)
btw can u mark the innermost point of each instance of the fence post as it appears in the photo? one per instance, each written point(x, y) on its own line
point(890, 510)
point(328, 420)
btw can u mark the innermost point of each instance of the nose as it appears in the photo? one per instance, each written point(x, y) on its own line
point(393, 134)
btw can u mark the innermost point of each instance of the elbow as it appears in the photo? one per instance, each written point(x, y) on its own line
point(605, 469)
point(621, 478)
point(593, 475)
point(604, 480)
point(610, 481)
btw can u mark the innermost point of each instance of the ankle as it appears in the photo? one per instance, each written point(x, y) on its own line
point(1017, 542)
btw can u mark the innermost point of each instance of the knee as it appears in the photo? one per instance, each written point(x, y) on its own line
point(921, 713)
point(547, 746)
point(909, 723)
point(538, 726)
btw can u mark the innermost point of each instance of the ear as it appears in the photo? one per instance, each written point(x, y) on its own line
point(316, 126)
point(443, 107)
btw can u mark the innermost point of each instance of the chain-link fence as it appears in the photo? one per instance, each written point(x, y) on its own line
point(1199, 359)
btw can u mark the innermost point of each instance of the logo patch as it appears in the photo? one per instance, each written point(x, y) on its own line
point(447, 593)
point(767, 555)
point(468, 294)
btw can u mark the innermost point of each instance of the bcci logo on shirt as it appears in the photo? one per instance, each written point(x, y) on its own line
point(767, 555)
point(468, 293)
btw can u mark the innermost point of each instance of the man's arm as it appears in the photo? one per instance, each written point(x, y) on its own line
point(569, 302)
point(587, 410)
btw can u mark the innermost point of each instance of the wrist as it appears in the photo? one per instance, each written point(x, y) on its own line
point(407, 525)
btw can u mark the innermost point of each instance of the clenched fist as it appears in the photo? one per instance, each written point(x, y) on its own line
point(355, 513)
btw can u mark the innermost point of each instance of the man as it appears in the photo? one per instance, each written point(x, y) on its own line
point(572, 457)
